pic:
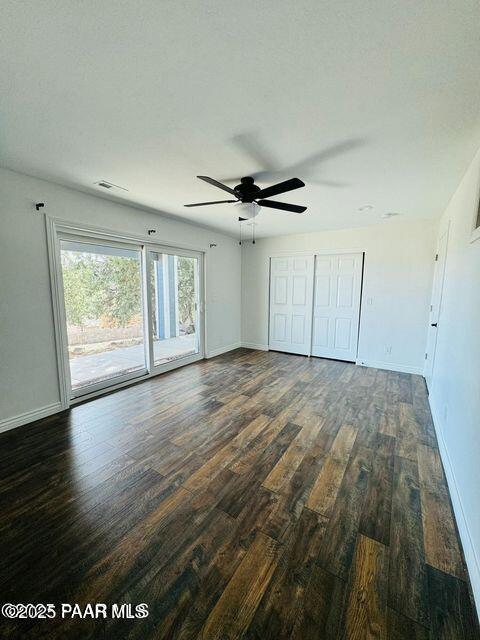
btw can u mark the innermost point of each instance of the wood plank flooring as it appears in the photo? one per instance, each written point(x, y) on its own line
point(255, 495)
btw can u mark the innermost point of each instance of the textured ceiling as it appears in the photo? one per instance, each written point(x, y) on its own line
point(369, 103)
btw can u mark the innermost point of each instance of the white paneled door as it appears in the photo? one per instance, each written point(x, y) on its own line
point(336, 306)
point(291, 301)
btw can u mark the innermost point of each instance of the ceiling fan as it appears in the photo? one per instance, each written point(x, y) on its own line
point(253, 197)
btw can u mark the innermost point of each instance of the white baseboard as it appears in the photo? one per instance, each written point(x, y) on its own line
point(390, 366)
point(471, 558)
point(30, 416)
point(253, 345)
point(218, 352)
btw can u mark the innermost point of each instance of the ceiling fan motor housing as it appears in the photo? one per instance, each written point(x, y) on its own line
point(247, 190)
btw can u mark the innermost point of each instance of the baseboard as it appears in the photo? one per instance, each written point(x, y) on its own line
point(473, 564)
point(218, 352)
point(30, 416)
point(253, 345)
point(390, 366)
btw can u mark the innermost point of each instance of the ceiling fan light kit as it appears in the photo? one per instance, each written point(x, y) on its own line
point(247, 210)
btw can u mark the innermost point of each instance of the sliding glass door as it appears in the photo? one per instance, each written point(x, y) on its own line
point(102, 286)
point(130, 310)
point(174, 304)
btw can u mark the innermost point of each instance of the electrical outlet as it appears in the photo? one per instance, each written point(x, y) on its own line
point(388, 350)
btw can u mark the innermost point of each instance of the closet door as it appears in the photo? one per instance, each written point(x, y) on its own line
point(336, 313)
point(291, 301)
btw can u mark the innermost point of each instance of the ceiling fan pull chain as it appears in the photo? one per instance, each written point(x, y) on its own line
point(253, 233)
point(240, 224)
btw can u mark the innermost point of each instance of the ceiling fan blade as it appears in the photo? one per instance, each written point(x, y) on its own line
point(281, 187)
point(218, 184)
point(204, 204)
point(285, 206)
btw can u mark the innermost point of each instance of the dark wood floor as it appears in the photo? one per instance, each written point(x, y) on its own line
point(256, 495)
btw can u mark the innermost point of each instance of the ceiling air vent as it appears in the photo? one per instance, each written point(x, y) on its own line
point(391, 214)
point(109, 185)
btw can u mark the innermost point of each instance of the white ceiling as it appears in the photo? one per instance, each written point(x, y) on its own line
point(148, 94)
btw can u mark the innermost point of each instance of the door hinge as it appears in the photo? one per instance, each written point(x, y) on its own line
point(436, 257)
point(426, 356)
point(431, 307)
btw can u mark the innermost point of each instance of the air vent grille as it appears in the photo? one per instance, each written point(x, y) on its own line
point(104, 184)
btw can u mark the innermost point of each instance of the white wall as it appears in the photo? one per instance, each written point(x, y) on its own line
point(28, 369)
point(455, 387)
point(397, 284)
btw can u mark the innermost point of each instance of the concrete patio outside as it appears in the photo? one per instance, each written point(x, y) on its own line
point(96, 367)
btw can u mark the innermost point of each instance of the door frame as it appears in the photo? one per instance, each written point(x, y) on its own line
point(200, 335)
point(55, 228)
point(317, 252)
point(445, 232)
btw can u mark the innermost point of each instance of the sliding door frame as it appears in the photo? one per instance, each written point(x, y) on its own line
point(199, 306)
point(57, 229)
point(89, 389)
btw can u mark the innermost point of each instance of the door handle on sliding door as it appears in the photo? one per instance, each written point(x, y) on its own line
point(434, 324)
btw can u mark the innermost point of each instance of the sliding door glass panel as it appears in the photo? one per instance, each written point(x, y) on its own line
point(174, 306)
point(103, 303)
